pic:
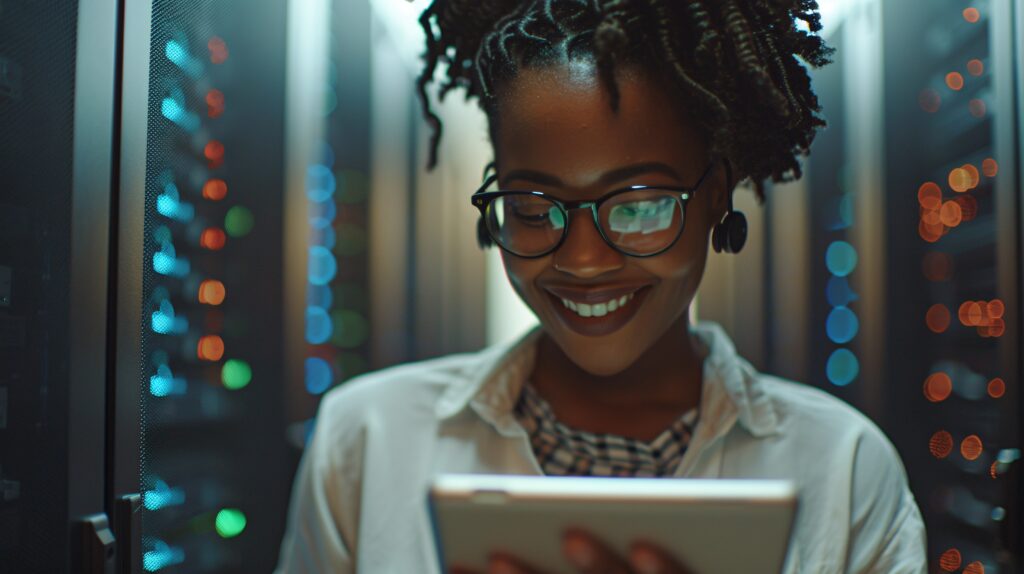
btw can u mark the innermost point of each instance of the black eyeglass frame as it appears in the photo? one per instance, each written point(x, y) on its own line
point(482, 200)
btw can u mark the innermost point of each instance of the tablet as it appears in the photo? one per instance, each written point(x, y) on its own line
point(711, 525)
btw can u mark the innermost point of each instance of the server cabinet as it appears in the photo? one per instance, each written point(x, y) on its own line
point(200, 356)
point(57, 86)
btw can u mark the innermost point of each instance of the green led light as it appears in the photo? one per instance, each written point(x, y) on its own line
point(239, 221)
point(235, 374)
point(230, 522)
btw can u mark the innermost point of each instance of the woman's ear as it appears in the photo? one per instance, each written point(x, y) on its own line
point(723, 184)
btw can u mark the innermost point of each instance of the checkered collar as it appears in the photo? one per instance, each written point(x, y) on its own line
point(732, 389)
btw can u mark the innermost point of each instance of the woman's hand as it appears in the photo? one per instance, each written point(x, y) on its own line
point(591, 556)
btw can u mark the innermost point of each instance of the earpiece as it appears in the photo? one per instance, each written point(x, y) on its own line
point(730, 235)
point(482, 236)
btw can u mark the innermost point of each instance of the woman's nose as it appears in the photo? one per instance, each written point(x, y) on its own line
point(584, 253)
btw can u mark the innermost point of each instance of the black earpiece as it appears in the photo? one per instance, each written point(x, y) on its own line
point(482, 235)
point(730, 235)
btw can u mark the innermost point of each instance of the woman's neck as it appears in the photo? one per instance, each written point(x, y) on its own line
point(640, 401)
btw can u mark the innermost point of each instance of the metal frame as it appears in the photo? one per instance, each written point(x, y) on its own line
point(95, 81)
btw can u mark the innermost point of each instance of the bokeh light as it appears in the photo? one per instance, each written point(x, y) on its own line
point(929, 100)
point(218, 50)
point(930, 232)
point(841, 258)
point(841, 325)
point(239, 221)
point(975, 567)
point(215, 189)
point(929, 195)
point(210, 348)
point(971, 15)
point(955, 81)
point(968, 206)
point(211, 292)
point(842, 367)
point(971, 447)
point(214, 152)
point(319, 375)
point(990, 167)
point(996, 308)
point(235, 374)
point(230, 522)
point(975, 67)
point(937, 318)
point(950, 560)
point(213, 239)
point(959, 179)
point(950, 214)
point(322, 265)
point(972, 172)
point(941, 444)
point(937, 387)
point(214, 103)
point(996, 388)
point(318, 325)
point(977, 107)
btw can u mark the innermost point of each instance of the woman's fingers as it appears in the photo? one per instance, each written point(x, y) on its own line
point(591, 556)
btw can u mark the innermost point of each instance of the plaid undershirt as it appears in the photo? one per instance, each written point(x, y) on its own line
point(564, 451)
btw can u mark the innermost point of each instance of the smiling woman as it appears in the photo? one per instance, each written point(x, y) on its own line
point(619, 130)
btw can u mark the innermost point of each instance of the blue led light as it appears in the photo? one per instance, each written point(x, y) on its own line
point(166, 262)
point(178, 54)
point(320, 183)
point(164, 383)
point(177, 113)
point(164, 322)
point(841, 258)
point(319, 296)
point(322, 265)
point(162, 496)
point(324, 237)
point(842, 367)
point(318, 325)
point(322, 214)
point(318, 375)
point(169, 205)
point(842, 325)
point(162, 556)
point(839, 293)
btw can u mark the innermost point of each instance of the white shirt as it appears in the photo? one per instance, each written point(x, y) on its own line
point(359, 499)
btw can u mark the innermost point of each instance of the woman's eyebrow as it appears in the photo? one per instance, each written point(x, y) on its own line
point(608, 178)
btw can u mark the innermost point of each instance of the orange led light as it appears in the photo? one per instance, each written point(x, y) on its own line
point(989, 167)
point(941, 444)
point(950, 560)
point(213, 239)
point(970, 314)
point(937, 318)
point(997, 328)
point(212, 292)
point(950, 214)
point(929, 195)
point(959, 180)
point(975, 567)
point(993, 470)
point(937, 387)
point(996, 388)
point(975, 67)
point(211, 348)
point(955, 81)
point(972, 15)
point(930, 233)
point(973, 175)
point(996, 308)
point(971, 447)
point(215, 189)
point(218, 50)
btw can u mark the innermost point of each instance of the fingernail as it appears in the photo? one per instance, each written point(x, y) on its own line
point(644, 561)
point(579, 552)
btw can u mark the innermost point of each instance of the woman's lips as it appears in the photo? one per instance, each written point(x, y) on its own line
point(591, 301)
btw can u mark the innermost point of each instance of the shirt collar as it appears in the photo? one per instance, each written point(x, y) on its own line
point(732, 389)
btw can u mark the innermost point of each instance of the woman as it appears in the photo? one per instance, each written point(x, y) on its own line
point(586, 100)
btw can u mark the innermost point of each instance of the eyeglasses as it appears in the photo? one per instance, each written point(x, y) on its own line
point(639, 221)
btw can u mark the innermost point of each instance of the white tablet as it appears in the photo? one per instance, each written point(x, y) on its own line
point(712, 526)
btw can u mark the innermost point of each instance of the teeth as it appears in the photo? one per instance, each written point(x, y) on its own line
point(597, 309)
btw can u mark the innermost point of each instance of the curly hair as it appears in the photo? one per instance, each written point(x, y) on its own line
point(734, 62)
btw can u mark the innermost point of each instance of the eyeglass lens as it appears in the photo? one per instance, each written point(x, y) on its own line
point(639, 222)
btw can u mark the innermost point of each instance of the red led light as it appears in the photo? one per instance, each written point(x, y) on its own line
point(214, 103)
point(214, 152)
point(971, 447)
point(218, 50)
point(929, 195)
point(955, 81)
point(941, 444)
point(989, 167)
point(937, 387)
point(210, 348)
point(968, 206)
point(215, 189)
point(972, 15)
point(996, 388)
point(950, 560)
point(211, 292)
point(937, 318)
point(975, 67)
point(213, 239)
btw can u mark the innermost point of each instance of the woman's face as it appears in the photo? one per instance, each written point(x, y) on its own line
point(558, 134)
